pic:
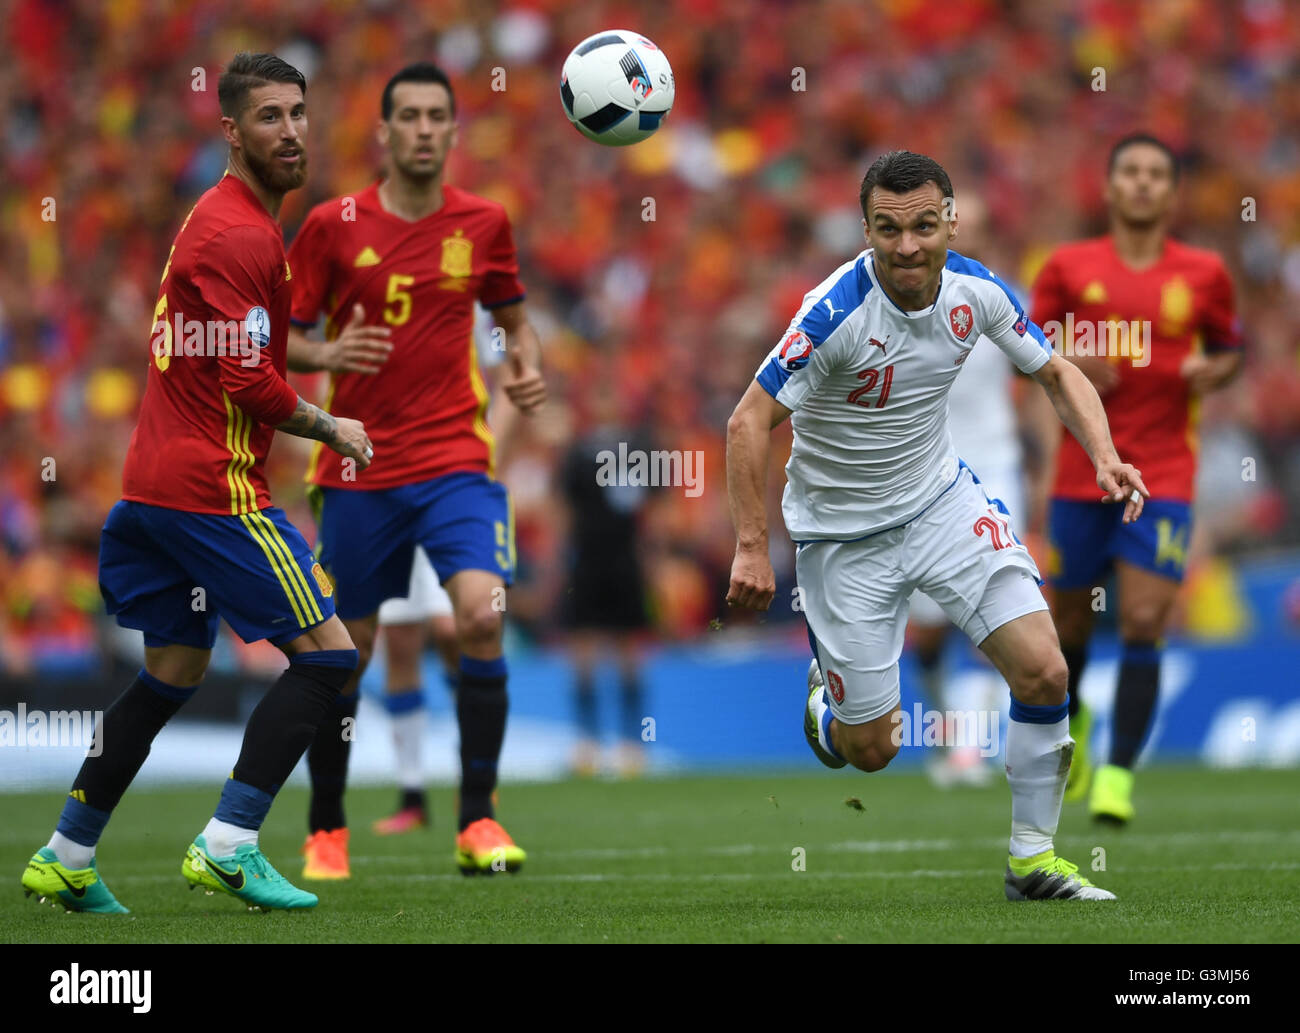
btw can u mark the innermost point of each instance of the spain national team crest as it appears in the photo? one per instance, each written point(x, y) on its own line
point(457, 255)
point(323, 581)
point(796, 350)
point(961, 320)
point(836, 686)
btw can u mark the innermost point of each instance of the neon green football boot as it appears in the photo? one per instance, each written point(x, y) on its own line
point(1080, 777)
point(247, 874)
point(1112, 795)
point(1048, 877)
point(811, 721)
point(77, 889)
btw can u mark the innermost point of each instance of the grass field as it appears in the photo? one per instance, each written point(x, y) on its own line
point(1213, 857)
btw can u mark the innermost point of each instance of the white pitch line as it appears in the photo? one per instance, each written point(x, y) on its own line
point(914, 873)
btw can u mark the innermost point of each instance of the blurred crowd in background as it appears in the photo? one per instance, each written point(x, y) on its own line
point(658, 275)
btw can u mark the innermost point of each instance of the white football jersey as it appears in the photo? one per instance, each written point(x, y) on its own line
point(982, 414)
point(868, 384)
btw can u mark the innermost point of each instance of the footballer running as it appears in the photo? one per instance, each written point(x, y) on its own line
point(879, 503)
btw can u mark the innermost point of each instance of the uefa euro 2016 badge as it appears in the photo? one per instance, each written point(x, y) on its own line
point(796, 350)
point(257, 326)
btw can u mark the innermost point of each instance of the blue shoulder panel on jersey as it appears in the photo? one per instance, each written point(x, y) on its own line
point(833, 307)
point(817, 325)
point(961, 264)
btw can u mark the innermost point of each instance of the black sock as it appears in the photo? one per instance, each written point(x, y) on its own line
point(633, 713)
point(285, 722)
point(1075, 658)
point(327, 762)
point(481, 705)
point(413, 798)
point(123, 738)
point(1135, 701)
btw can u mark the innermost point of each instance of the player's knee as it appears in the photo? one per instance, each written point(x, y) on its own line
point(1143, 623)
point(181, 670)
point(1043, 681)
point(866, 750)
point(480, 625)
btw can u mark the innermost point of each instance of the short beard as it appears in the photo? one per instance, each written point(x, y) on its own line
point(416, 175)
point(275, 177)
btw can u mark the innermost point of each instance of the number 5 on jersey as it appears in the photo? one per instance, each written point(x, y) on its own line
point(399, 297)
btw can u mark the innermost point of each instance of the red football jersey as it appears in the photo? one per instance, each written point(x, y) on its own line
point(216, 387)
point(1146, 322)
point(425, 409)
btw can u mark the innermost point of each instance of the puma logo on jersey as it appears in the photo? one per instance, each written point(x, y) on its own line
point(831, 308)
point(880, 344)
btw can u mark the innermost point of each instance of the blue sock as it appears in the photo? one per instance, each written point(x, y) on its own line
point(82, 823)
point(243, 805)
point(404, 701)
point(1036, 714)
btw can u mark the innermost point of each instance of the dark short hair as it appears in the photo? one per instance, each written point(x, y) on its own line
point(1125, 142)
point(900, 172)
point(421, 71)
point(249, 71)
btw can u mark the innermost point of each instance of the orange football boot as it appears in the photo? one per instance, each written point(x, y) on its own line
point(406, 820)
point(327, 855)
point(485, 847)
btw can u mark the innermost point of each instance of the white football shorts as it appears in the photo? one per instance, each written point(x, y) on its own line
point(427, 598)
point(961, 552)
point(1006, 483)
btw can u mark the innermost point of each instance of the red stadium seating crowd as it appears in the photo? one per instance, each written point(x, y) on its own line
point(660, 273)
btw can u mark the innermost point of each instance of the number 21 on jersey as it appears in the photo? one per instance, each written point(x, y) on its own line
point(870, 376)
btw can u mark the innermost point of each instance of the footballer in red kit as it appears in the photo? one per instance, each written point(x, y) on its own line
point(1152, 323)
point(397, 270)
point(195, 537)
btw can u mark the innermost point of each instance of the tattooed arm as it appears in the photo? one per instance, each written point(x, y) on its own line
point(344, 436)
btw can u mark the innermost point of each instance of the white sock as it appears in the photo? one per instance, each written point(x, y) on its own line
point(1038, 761)
point(407, 729)
point(71, 855)
point(820, 706)
point(224, 839)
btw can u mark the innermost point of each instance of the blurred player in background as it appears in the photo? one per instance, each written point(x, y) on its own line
point(396, 268)
point(425, 613)
point(879, 504)
point(1176, 304)
point(196, 520)
point(605, 600)
point(985, 422)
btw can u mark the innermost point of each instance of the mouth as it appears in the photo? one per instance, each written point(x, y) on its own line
point(289, 157)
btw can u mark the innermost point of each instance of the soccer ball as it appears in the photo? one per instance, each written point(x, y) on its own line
point(616, 87)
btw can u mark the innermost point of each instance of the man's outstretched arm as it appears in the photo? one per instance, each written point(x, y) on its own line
point(1080, 409)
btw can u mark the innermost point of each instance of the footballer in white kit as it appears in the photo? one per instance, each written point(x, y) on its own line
point(879, 502)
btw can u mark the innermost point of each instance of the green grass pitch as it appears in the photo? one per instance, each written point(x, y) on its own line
point(1212, 857)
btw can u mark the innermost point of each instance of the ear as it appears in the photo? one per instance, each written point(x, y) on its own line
point(382, 133)
point(866, 231)
point(230, 130)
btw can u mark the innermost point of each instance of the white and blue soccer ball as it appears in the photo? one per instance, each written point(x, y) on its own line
point(616, 87)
